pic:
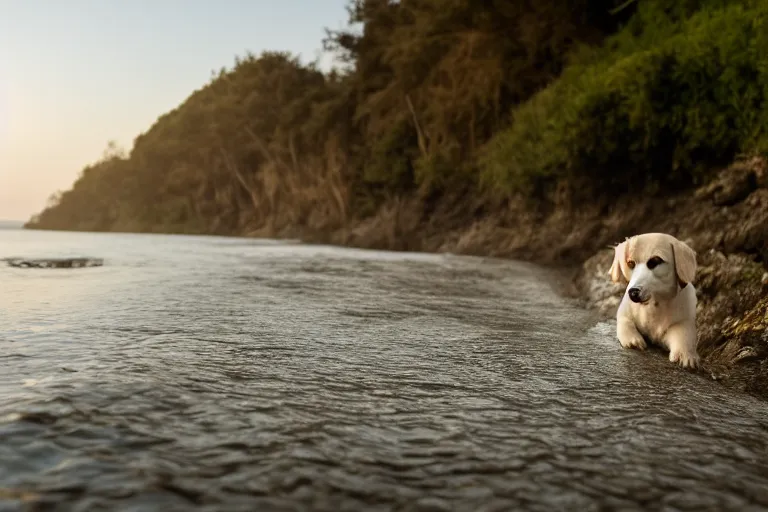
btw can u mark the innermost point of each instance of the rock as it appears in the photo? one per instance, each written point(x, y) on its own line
point(760, 168)
point(746, 338)
point(600, 293)
point(749, 235)
point(732, 185)
point(731, 315)
point(18, 495)
point(54, 262)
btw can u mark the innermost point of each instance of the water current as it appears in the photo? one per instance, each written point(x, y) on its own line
point(207, 373)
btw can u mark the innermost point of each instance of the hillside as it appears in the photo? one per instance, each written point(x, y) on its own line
point(542, 132)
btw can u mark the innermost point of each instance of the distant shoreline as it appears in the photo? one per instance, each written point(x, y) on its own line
point(11, 224)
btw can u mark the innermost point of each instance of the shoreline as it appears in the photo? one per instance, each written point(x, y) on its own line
point(733, 360)
point(725, 221)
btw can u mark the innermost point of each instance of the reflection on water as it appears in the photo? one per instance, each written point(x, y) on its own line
point(229, 374)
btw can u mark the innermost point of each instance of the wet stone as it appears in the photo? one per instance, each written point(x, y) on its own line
point(54, 262)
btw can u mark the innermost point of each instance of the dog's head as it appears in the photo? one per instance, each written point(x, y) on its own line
point(655, 266)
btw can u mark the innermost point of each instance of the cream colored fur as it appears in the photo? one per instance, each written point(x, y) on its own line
point(659, 303)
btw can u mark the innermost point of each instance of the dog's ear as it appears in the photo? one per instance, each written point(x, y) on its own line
point(685, 262)
point(619, 269)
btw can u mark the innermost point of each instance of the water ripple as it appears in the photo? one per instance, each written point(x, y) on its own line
point(216, 374)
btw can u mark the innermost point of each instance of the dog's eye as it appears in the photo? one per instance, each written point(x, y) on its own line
point(631, 263)
point(654, 262)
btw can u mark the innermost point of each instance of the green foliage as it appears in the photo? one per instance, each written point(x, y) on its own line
point(451, 70)
point(438, 98)
point(656, 108)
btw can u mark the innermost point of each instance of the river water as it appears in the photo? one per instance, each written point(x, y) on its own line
point(205, 373)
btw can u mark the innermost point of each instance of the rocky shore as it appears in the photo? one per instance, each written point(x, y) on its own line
point(725, 221)
point(732, 313)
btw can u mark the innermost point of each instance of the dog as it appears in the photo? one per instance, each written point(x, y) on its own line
point(659, 303)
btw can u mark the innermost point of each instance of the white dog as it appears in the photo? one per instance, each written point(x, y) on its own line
point(660, 301)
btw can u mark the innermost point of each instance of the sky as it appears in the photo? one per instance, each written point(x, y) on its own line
point(77, 74)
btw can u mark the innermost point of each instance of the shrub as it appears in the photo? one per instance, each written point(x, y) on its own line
point(659, 107)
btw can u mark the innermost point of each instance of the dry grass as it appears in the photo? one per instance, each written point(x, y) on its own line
point(308, 192)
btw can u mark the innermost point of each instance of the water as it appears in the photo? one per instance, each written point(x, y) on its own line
point(226, 374)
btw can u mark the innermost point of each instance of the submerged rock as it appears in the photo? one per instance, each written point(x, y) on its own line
point(54, 262)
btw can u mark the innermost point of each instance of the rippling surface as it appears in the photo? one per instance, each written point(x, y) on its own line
point(226, 374)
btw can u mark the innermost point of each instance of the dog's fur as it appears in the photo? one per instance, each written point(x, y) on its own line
point(659, 303)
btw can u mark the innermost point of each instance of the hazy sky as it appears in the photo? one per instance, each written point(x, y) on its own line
point(75, 74)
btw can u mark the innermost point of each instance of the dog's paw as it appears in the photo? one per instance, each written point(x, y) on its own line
point(633, 341)
point(684, 358)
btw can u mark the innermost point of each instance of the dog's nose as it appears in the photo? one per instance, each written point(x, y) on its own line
point(634, 294)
